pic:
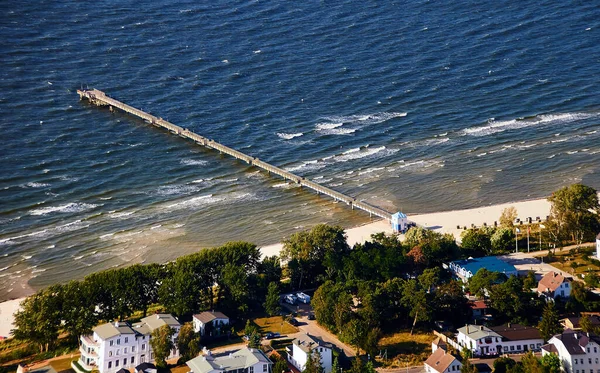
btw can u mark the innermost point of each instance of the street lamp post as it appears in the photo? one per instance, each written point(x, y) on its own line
point(517, 240)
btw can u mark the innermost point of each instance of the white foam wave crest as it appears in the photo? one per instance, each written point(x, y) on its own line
point(289, 136)
point(208, 199)
point(283, 185)
point(354, 154)
point(327, 126)
point(169, 190)
point(120, 215)
point(307, 166)
point(48, 232)
point(365, 118)
point(193, 162)
point(494, 126)
point(36, 185)
point(419, 164)
point(68, 208)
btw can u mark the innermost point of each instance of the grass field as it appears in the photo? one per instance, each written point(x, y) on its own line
point(403, 348)
point(564, 259)
point(274, 324)
point(63, 364)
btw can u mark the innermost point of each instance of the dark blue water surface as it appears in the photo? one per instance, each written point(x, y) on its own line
point(410, 105)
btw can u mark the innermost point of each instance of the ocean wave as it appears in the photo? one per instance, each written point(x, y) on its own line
point(72, 207)
point(119, 215)
point(193, 162)
point(354, 154)
point(48, 232)
point(169, 190)
point(289, 136)
point(327, 126)
point(307, 166)
point(419, 164)
point(493, 126)
point(36, 185)
point(374, 118)
point(283, 185)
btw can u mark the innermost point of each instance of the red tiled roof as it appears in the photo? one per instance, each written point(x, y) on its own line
point(551, 281)
point(440, 360)
point(478, 304)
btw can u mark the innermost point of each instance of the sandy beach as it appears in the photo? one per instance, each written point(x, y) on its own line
point(443, 222)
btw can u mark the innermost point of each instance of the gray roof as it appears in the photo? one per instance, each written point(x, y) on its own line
point(575, 342)
point(206, 317)
point(109, 330)
point(307, 341)
point(241, 359)
point(145, 327)
point(156, 321)
point(477, 332)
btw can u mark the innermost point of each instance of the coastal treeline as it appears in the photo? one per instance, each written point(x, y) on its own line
point(231, 277)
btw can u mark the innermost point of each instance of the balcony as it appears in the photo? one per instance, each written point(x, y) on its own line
point(89, 341)
point(84, 352)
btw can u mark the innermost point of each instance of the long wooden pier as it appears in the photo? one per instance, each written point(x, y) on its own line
point(99, 98)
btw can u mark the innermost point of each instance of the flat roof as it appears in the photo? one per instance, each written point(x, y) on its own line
point(491, 263)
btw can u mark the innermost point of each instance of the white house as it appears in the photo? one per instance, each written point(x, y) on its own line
point(216, 320)
point(480, 340)
point(579, 352)
point(441, 361)
point(303, 345)
point(113, 346)
point(518, 338)
point(247, 360)
point(554, 285)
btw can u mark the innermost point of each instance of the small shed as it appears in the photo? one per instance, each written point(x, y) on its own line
point(399, 222)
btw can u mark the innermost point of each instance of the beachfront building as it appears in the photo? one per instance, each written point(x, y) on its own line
point(554, 285)
point(399, 222)
point(579, 352)
point(210, 323)
point(465, 269)
point(306, 344)
point(441, 361)
point(518, 338)
point(479, 339)
point(246, 360)
point(113, 346)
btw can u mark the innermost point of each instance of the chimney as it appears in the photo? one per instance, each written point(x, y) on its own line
point(467, 328)
point(509, 325)
point(116, 324)
point(481, 327)
point(575, 335)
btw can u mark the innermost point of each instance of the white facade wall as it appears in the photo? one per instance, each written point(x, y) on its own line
point(199, 326)
point(480, 346)
point(121, 351)
point(259, 367)
point(511, 347)
point(300, 358)
point(564, 290)
point(579, 363)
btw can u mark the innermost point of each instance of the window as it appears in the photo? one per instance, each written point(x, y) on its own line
point(512, 348)
point(590, 361)
point(596, 361)
point(143, 359)
point(574, 361)
point(505, 348)
point(595, 349)
point(116, 363)
point(119, 341)
point(124, 361)
point(109, 364)
point(111, 343)
point(118, 352)
point(518, 347)
point(532, 346)
point(109, 353)
point(125, 351)
point(126, 339)
point(132, 360)
point(321, 349)
point(143, 346)
point(251, 370)
point(581, 361)
point(264, 367)
point(132, 348)
point(588, 350)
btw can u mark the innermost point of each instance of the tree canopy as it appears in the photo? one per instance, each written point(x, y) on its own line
point(574, 213)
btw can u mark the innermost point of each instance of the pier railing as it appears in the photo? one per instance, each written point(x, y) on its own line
point(99, 98)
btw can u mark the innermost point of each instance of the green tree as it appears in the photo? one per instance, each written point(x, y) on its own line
point(332, 305)
point(335, 367)
point(586, 324)
point(530, 281)
point(468, 367)
point(551, 363)
point(369, 368)
point(357, 365)
point(280, 365)
point(430, 278)
point(531, 364)
point(39, 319)
point(77, 311)
point(162, 344)
point(476, 241)
point(502, 239)
point(483, 280)
point(313, 362)
point(574, 211)
point(272, 302)
point(503, 364)
point(450, 304)
point(318, 253)
point(188, 342)
point(550, 324)
point(416, 299)
point(254, 340)
point(508, 217)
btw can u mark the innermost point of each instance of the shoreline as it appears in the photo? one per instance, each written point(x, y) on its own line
point(442, 222)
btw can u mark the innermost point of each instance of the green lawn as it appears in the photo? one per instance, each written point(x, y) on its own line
point(564, 259)
point(403, 348)
point(63, 364)
point(274, 324)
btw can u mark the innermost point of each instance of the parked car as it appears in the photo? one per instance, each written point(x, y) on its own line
point(272, 335)
point(290, 299)
point(304, 298)
point(294, 322)
point(311, 316)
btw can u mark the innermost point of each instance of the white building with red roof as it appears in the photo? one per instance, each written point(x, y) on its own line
point(554, 285)
point(442, 362)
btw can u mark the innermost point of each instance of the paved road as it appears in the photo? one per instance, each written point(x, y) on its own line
point(419, 369)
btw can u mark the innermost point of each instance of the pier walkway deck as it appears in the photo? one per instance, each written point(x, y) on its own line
point(99, 98)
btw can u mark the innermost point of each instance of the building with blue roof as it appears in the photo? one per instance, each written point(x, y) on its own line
point(465, 269)
point(399, 222)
